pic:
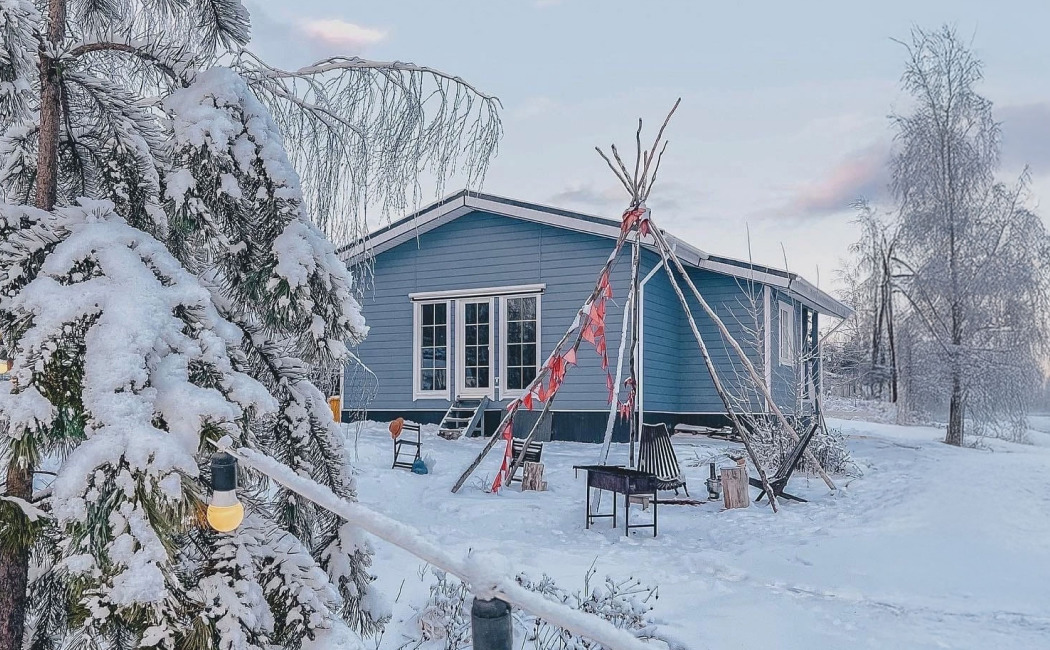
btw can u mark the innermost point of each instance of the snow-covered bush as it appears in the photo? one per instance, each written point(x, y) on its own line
point(772, 445)
point(444, 619)
point(626, 603)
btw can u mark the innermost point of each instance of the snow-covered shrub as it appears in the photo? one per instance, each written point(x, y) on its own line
point(446, 615)
point(626, 603)
point(773, 445)
point(444, 619)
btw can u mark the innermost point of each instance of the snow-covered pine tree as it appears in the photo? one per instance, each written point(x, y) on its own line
point(124, 368)
point(159, 110)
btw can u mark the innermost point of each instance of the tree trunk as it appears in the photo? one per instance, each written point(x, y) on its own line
point(14, 567)
point(14, 556)
point(956, 411)
point(888, 300)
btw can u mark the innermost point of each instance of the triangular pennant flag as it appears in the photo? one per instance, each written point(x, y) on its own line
point(526, 401)
point(599, 345)
point(570, 356)
point(588, 334)
point(541, 393)
point(608, 381)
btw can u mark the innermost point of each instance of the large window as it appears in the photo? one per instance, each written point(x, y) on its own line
point(787, 334)
point(521, 318)
point(431, 339)
point(477, 329)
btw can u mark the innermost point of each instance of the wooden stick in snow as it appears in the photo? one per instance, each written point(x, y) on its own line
point(758, 381)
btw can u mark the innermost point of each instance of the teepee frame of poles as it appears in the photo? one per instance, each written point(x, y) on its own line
point(588, 325)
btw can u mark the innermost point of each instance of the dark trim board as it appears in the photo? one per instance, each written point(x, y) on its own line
point(568, 426)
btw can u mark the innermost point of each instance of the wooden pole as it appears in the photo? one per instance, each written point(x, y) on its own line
point(603, 457)
point(541, 375)
point(636, 415)
point(758, 381)
point(726, 402)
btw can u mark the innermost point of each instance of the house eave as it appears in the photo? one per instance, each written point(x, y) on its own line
point(460, 203)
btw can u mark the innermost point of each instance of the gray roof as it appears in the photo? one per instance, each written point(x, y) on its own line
point(463, 202)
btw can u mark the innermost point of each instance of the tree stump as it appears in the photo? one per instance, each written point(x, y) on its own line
point(734, 487)
point(532, 478)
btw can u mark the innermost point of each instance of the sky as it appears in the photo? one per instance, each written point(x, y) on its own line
point(784, 120)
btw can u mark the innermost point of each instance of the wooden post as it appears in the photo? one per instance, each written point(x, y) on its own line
point(636, 415)
point(734, 487)
point(532, 479)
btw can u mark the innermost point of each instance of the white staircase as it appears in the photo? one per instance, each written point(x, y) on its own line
point(464, 417)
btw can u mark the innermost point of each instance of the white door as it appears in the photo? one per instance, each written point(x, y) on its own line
point(474, 374)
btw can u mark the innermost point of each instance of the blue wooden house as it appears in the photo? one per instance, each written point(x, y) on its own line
point(469, 295)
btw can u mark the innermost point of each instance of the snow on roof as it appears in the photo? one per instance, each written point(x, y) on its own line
point(463, 202)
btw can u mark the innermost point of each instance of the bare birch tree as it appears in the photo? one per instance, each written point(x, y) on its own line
point(972, 259)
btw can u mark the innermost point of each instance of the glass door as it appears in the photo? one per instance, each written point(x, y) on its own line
point(474, 348)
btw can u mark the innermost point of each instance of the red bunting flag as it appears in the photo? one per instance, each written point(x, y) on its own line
point(570, 356)
point(508, 458)
point(541, 393)
point(588, 334)
point(526, 400)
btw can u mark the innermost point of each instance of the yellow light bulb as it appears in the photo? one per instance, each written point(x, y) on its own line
point(225, 518)
point(225, 511)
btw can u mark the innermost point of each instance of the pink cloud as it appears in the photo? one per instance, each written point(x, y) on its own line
point(863, 175)
point(340, 33)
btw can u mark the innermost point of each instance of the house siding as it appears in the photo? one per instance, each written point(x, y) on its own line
point(481, 249)
point(484, 250)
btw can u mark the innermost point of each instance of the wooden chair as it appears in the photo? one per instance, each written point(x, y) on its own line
point(532, 455)
point(656, 456)
point(397, 430)
point(780, 480)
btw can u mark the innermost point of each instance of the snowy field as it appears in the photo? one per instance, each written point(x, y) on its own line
point(932, 547)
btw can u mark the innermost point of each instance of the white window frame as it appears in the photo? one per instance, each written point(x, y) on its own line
point(787, 309)
point(461, 351)
point(417, 352)
point(506, 392)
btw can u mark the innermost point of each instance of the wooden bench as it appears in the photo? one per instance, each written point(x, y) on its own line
point(532, 455)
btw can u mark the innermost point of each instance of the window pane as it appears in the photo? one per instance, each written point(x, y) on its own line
point(428, 336)
point(472, 355)
point(529, 308)
point(483, 356)
point(428, 314)
point(483, 312)
point(514, 379)
point(528, 355)
point(471, 377)
point(440, 313)
point(483, 335)
point(472, 334)
point(513, 332)
point(440, 336)
point(527, 375)
point(483, 377)
point(513, 355)
point(472, 312)
point(427, 380)
point(428, 356)
point(528, 332)
point(514, 309)
point(439, 380)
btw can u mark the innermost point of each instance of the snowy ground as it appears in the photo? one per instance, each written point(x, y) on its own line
point(933, 547)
